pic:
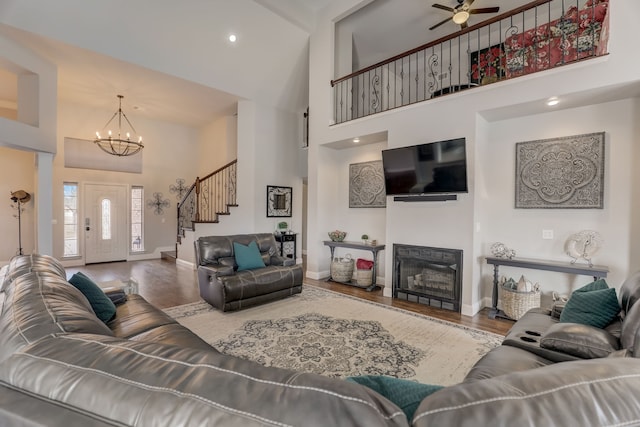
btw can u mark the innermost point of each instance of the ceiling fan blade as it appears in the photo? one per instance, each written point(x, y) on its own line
point(484, 10)
point(440, 23)
point(447, 8)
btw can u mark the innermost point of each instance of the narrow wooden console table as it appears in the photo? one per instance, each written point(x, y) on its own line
point(374, 249)
point(595, 271)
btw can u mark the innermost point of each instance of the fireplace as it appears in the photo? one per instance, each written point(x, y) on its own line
point(430, 276)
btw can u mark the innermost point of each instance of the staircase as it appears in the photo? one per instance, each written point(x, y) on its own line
point(207, 199)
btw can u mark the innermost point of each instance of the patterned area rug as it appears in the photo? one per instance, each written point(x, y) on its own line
point(336, 335)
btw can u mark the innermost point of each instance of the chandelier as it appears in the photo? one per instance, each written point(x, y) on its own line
point(123, 143)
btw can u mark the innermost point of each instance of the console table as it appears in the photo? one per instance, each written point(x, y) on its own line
point(596, 271)
point(374, 249)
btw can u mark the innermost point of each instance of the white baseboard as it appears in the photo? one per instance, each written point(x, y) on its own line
point(318, 275)
point(472, 310)
point(184, 263)
point(150, 255)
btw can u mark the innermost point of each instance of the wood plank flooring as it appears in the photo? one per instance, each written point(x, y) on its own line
point(166, 284)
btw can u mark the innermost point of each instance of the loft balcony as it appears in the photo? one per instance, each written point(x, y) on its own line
point(538, 36)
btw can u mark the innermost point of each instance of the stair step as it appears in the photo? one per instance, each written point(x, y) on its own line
point(168, 255)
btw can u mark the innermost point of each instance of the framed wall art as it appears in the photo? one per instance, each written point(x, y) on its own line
point(366, 185)
point(565, 172)
point(279, 201)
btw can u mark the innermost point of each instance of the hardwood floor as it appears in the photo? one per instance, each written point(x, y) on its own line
point(166, 284)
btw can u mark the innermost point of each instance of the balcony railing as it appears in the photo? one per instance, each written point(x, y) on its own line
point(535, 37)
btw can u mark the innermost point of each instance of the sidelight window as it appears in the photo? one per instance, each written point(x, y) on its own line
point(71, 219)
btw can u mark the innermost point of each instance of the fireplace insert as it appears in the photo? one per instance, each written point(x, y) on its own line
point(427, 275)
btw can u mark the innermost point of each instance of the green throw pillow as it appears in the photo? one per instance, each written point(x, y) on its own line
point(404, 393)
point(101, 304)
point(596, 308)
point(247, 257)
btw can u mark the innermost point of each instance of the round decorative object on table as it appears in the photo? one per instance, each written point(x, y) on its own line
point(500, 250)
point(583, 244)
point(337, 235)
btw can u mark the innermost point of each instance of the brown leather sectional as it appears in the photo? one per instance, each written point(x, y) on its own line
point(61, 366)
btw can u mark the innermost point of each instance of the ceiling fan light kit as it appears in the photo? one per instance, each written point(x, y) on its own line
point(460, 14)
point(461, 17)
point(122, 144)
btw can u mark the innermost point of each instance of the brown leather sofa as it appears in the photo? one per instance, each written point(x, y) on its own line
point(225, 288)
point(548, 373)
point(61, 366)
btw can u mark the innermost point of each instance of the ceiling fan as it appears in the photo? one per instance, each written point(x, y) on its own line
point(462, 12)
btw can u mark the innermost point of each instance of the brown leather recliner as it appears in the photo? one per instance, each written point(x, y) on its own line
point(225, 288)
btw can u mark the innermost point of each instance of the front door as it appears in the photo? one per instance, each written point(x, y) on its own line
point(105, 223)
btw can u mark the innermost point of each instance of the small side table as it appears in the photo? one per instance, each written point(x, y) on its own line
point(128, 286)
point(287, 244)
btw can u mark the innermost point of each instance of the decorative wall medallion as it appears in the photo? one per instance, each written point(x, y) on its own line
point(279, 201)
point(563, 172)
point(179, 189)
point(366, 185)
point(158, 204)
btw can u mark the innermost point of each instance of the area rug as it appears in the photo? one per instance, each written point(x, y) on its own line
point(332, 334)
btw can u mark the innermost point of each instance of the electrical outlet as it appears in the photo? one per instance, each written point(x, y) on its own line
point(443, 76)
point(547, 234)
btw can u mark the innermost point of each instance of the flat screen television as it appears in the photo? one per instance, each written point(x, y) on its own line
point(431, 168)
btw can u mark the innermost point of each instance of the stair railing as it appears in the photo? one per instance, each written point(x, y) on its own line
point(208, 197)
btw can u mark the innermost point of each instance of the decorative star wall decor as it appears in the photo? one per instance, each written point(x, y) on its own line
point(179, 189)
point(157, 204)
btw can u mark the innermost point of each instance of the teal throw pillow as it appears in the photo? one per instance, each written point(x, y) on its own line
point(596, 308)
point(594, 286)
point(102, 306)
point(406, 394)
point(247, 257)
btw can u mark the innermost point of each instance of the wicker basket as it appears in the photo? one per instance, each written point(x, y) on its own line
point(364, 277)
point(342, 269)
point(515, 304)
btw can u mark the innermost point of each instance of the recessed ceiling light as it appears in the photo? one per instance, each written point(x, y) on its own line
point(232, 38)
point(356, 140)
point(553, 101)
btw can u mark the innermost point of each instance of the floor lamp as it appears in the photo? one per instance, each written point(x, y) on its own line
point(20, 197)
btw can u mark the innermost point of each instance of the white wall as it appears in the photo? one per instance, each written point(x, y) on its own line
point(355, 221)
point(218, 144)
point(37, 78)
point(521, 229)
point(169, 153)
point(454, 224)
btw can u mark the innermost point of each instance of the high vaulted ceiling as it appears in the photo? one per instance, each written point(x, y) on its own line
point(381, 29)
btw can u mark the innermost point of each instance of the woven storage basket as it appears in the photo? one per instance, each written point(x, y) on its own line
point(342, 269)
point(515, 304)
point(364, 277)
